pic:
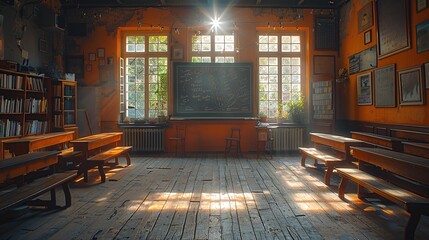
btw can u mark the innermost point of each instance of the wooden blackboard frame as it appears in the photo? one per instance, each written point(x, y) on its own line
point(213, 90)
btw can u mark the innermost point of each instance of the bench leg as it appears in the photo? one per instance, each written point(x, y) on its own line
point(101, 171)
point(53, 201)
point(116, 161)
point(342, 187)
point(127, 156)
point(412, 225)
point(328, 174)
point(67, 194)
point(303, 160)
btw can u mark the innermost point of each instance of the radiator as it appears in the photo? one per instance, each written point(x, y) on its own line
point(287, 139)
point(144, 139)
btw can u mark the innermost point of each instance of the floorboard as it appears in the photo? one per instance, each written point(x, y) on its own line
point(207, 196)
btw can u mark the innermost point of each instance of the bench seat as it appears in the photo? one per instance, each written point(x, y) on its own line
point(330, 161)
point(69, 155)
point(38, 187)
point(99, 160)
point(411, 202)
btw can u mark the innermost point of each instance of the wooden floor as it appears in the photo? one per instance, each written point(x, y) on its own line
point(210, 197)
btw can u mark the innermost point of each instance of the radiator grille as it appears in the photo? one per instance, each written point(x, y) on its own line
point(144, 139)
point(287, 139)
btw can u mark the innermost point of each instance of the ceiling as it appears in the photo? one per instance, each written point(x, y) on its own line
point(321, 4)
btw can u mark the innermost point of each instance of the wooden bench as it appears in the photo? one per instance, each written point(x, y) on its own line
point(69, 155)
point(100, 159)
point(27, 192)
point(330, 161)
point(411, 202)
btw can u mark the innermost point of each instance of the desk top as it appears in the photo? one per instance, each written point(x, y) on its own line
point(378, 136)
point(336, 138)
point(403, 164)
point(25, 159)
point(96, 137)
point(40, 137)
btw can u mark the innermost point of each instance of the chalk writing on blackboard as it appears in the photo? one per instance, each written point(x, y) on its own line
point(213, 90)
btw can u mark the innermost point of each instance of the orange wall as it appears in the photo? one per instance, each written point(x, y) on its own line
point(106, 33)
point(352, 42)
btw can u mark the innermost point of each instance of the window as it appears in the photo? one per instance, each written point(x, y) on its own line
point(213, 48)
point(280, 72)
point(145, 84)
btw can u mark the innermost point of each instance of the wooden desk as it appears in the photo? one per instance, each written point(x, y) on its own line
point(418, 149)
point(387, 142)
point(413, 167)
point(336, 142)
point(24, 164)
point(93, 143)
point(28, 144)
point(96, 141)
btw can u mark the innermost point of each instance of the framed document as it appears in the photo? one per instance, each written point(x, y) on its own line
point(393, 27)
point(410, 86)
point(385, 86)
point(364, 90)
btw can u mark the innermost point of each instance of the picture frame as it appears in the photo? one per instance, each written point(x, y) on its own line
point(43, 45)
point(100, 52)
point(91, 56)
point(324, 65)
point(367, 37)
point(364, 89)
point(421, 4)
point(422, 36)
point(75, 64)
point(177, 53)
point(365, 17)
point(109, 60)
point(410, 86)
point(101, 61)
point(426, 74)
point(393, 27)
point(385, 86)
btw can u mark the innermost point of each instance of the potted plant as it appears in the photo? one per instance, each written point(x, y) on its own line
point(262, 117)
point(295, 108)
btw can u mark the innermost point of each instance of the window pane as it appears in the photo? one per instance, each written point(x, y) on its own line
point(135, 44)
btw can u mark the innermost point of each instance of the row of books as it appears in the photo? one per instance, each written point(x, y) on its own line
point(35, 84)
point(68, 91)
point(11, 105)
point(36, 127)
point(9, 128)
point(68, 105)
point(33, 105)
point(58, 121)
point(9, 81)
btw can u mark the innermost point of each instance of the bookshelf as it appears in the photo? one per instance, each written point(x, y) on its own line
point(23, 104)
point(64, 114)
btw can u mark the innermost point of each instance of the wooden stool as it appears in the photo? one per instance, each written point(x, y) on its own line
point(264, 141)
point(179, 139)
point(232, 143)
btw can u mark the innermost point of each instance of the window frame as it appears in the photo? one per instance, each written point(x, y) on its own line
point(279, 55)
point(212, 54)
point(147, 55)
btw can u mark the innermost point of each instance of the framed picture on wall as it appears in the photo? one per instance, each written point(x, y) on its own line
point(426, 70)
point(324, 65)
point(421, 4)
point(410, 86)
point(365, 17)
point(364, 90)
point(367, 37)
point(393, 27)
point(100, 52)
point(422, 36)
point(385, 86)
point(177, 53)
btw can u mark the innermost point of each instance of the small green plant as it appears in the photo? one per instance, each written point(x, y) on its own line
point(262, 116)
point(295, 108)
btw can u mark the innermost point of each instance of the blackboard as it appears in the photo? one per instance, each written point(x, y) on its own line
point(367, 59)
point(213, 90)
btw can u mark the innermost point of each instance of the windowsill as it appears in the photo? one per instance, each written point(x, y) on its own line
point(155, 125)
